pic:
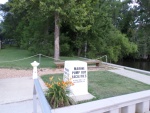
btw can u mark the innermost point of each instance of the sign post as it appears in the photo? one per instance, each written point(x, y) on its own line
point(76, 71)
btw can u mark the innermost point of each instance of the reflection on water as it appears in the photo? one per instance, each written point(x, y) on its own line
point(144, 65)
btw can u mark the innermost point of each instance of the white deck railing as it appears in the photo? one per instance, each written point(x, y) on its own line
point(38, 93)
point(130, 103)
point(128, 68)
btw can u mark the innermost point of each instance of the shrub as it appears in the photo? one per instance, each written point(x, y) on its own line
point(57, 93)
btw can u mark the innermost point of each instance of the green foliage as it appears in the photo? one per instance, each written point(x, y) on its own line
point(78, 14)
point(87, 27)
point(142, 34)
point(134, 22)
point(115, 45)
point(57, 93)
point(64, 45)
point(107, 39)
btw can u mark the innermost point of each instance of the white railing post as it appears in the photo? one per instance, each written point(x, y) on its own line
point(34, 100)
point(142, 107)
point(115, 111)
point(35, 64)
point(128, 109)
point(35, 76)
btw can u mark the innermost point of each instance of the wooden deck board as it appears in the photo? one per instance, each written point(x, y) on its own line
point(89, 62)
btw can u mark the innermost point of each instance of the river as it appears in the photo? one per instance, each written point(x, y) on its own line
point(143, 65)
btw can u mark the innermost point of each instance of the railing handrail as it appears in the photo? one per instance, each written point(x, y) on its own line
point(128, 68)
point(108, 104)
point(43, 102)
point(103, 56)
point(38, 92)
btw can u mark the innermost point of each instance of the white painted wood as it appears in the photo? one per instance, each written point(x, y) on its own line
point(112, 111)
point(35, 64)
point(106, 112)
point(108, 104)
point(147, 112)
point(149, 105)
point(128, 109)
point(115, 111)
point(146, 106)
point(142, 107)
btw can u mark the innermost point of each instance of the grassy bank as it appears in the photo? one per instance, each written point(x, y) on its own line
point(17, 58)
point(21, 59)
point(104, 84)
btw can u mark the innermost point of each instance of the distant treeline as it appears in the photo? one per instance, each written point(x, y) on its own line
point(84, 28)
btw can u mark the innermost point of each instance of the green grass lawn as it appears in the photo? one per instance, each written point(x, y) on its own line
point(11, 54)
point(104, 84)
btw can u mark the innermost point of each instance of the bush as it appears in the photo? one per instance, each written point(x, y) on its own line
point(57, 93)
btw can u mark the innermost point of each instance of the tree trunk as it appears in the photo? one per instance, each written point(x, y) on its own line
point(56, 35)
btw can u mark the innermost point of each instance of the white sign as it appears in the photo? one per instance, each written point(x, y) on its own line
point(77, 72)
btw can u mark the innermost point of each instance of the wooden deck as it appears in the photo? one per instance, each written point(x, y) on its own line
point(89, 62)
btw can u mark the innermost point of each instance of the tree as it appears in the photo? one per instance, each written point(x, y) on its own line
point(108, 40)
point(83, 24)
point(136, 25)
point(74, 12)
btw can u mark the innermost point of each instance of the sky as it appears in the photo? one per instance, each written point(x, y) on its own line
point(3, 1)
point(133, 3)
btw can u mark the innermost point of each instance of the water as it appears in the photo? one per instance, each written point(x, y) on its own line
point(143, 65)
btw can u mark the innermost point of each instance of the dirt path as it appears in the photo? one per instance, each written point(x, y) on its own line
point(13, 73)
